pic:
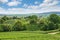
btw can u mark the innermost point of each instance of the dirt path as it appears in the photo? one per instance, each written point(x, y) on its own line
point(53, 33)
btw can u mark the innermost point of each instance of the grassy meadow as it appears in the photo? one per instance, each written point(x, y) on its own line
point(28, 35)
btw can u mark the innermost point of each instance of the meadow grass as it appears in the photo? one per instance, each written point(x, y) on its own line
point(28, 35)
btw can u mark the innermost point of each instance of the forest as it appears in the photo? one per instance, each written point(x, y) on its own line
point(30, 23)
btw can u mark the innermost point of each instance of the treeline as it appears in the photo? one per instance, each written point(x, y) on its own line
point(30, 23)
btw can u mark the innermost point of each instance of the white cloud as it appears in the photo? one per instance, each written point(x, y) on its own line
point(32, 7)
point(25, 11)
point(17, 11)
point(3, 1)
point(13, 3)
point(47, 3)
point(46, 6)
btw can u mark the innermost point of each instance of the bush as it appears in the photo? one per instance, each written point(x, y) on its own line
point(54, 18)
point(1, 21)
point(32, 27)
point(18, 26)
point(5, 27)
point(5, 18)
point(31, 23)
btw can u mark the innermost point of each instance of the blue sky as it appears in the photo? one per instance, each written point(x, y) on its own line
point(28, 6)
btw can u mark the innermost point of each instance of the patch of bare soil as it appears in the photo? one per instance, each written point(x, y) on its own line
point(53, 33)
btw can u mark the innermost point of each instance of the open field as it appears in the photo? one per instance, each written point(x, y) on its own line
point(28, 36)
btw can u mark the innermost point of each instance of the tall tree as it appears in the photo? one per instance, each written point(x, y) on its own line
point(4, 18)
point(54, 18)
point(18, 26)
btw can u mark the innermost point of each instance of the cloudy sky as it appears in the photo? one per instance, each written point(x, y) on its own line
point(28, 6)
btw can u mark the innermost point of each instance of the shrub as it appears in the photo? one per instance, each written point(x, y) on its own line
point(1, 21)
point(5, 27)
point(54, 18)
point(18, 26)
point(5, 18)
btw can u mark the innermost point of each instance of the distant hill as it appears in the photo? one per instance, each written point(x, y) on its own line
point(38, 14)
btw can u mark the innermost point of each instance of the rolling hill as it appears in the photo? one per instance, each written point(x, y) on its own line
point(38, 14)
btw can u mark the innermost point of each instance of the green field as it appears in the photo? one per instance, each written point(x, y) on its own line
point(28, 36)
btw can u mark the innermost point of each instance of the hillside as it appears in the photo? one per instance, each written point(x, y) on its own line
point(38, 14)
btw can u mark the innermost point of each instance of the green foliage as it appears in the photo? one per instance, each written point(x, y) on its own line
point(32, 27)
point(1, 21)
point(54, 18)
point(5, 27)
point(14, 17)
point(33, 17)
point(31, 23)
point(18, 26)
point(5, 18)
point(51, 26)
point(46, 25)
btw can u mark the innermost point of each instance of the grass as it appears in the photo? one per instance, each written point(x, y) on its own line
point(26, 35)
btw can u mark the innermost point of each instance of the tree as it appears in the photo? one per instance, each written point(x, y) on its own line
point(32, 27)
point(1, 21)
point(54, 18)
point(46, 25)
point(4, 18)
point(51, 26)
point(5, 27)
point(32, 17)
point(42, 25)
point(18, 26)
point(33, 21)
point(14, 17)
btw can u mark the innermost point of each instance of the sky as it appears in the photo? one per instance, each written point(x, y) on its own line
point(28, 6)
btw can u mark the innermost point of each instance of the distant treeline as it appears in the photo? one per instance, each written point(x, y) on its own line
point(30, 23)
